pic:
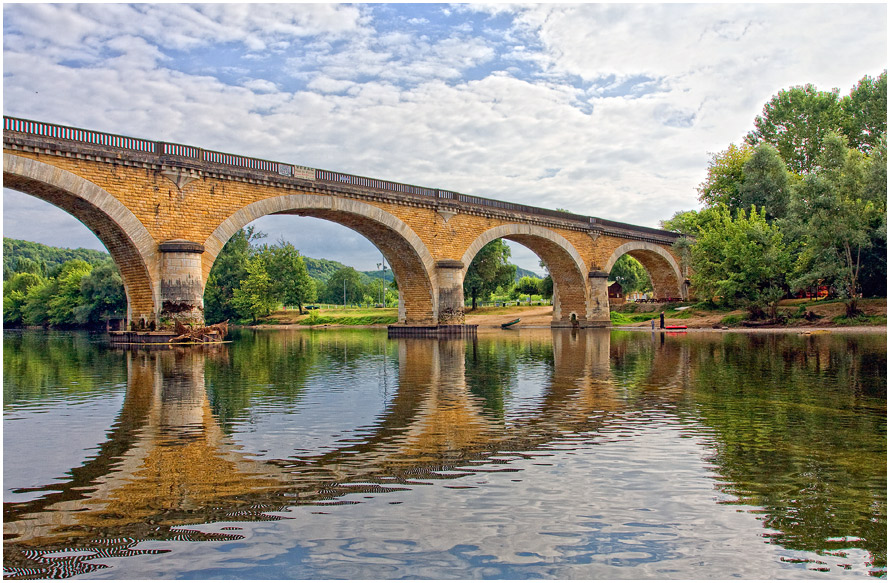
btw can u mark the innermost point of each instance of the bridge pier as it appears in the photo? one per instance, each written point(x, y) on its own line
point(598, 300)
point(450, 280)
point(182, 283)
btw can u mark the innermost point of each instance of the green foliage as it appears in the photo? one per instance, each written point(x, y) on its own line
point(345, 286)
point(102, 295)
point(24, 256)
point(59, 287)
point(795, 122)
point(838, 212)
point(15, 294)
point(321, 270)
point(547, 287)
point(865, 113)
point(690, 223)
point(630, 275)
point(228, 270)
point(766, 183)
point(731, 320)
point(67, 297)
point(520, 273)
point(488, 271)
point(254, 297)
point(292, 284)
point(367, 317)
point(743, 260)
point(815, 168)
point(35, 311)
point(725, 176)
point(528, 286)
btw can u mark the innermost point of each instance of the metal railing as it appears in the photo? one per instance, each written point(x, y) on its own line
point(12, 124)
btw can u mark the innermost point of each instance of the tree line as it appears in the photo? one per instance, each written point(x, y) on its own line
point(799, 206)
point(45, 285)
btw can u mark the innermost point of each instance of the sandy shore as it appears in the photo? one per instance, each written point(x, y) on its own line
point(540, 317)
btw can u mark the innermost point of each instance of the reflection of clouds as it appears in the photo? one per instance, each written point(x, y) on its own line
point(41, 444)
point(326, 415)
point(641, 507)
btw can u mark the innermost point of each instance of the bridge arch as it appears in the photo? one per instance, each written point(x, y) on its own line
point(567, 268)
point(667, 278)
point(127, 240)
point(412, 263)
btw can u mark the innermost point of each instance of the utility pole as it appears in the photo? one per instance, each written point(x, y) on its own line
point(383, 289)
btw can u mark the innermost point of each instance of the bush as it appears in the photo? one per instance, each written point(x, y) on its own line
point(731, 320)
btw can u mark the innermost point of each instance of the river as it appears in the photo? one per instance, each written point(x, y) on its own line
point(341, 454)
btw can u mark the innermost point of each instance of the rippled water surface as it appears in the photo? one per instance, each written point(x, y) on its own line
point(520, 454)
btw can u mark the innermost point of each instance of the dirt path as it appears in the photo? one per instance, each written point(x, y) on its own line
point(532, 317)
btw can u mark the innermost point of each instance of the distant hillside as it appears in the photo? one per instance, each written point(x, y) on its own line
point(520, 273)
point(16, 250)
point(321, 269)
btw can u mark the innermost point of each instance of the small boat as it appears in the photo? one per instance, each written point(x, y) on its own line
point(508, 324)
point(675, 327)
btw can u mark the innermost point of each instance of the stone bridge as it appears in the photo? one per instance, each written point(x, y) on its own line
point(164, 212)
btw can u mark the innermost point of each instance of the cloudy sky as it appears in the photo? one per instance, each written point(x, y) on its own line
point(609, 110)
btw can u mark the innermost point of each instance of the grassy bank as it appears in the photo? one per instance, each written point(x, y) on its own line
point(334, 317)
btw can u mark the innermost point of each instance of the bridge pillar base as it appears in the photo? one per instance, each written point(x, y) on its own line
point(449, 273)
point(598, 315)
point(182, 284)
point(435, 331)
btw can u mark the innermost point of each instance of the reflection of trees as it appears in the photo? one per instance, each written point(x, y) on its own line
point(37, 362)
point(274, 366)
point(492, 368)
point(799, 424)
point(799, 435)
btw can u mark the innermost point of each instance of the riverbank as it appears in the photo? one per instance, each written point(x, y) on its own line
point(800, 316)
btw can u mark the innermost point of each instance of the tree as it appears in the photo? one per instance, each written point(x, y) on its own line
point(102, 295)
point(15, 293)
point(795, 122)
point(66, 297)
point(691, 223)
point(873, 275)
point(865, 113)
point(345, 286)
point(725, 173)
point(35, 311)
point(765, 182)
point(630, 275)
point(255, 296)
point(742, 260)
point(528, 285)
point(292, 284)
point(489, 270)
point(836, 211)
point(228, 270)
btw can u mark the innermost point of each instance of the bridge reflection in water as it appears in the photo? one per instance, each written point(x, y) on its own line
point(172, 458)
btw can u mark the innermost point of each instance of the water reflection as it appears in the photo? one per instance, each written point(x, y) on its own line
point(792, 429)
